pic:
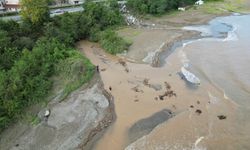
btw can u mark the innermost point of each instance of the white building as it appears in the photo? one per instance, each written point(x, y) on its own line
point(12, 5)
point(2, 3)
point(76, 1)
point(199, 2)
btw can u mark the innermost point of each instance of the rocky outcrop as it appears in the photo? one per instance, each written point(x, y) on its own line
point(72, 123)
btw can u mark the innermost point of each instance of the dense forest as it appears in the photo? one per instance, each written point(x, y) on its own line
point(31, 51)
point(157, 7)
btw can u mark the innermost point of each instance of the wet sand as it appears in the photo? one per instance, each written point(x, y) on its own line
point(132, 106)
point(135, 101)
point(195, 109)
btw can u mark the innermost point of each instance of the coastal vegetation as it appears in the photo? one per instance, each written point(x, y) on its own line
point(38, 48)
point(156, 6)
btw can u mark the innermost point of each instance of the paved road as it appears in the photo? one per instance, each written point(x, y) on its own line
point(52, 13)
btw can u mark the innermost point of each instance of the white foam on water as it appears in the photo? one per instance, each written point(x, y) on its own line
point(225, 96)
point(231, 35)
point(183, 57)
point(150, 57)
point(205, 31)
point(213, 99)
point(196, 147)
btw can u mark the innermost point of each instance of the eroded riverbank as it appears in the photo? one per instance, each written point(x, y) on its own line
point(73, 123)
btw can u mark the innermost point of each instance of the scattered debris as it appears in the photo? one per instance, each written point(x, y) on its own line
point(198, 102)
point(110, 88)
point(198, 111)
point(161, 97)
point(103, 69)
point(191, 106)
point(136, 100)
point(222, 117)
point(47, 113)
point(146, 82)
point(156, 98)
point(167, 85)
point(136, 89)
point(168, 93)
point(174, 106)
point(124, 64)
point(199, 2)
point(182, 8)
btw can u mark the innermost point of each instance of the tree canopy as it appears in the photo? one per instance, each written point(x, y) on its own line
point(156, 6)
point(35, 11)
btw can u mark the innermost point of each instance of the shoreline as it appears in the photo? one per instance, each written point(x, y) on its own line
point(168, 45)
point(103, 125)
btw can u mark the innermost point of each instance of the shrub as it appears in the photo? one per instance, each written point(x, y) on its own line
point(112, 43)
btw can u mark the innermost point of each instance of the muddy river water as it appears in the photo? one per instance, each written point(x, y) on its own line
point(190, 117)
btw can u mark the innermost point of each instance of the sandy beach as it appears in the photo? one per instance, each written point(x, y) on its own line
point(138, 87)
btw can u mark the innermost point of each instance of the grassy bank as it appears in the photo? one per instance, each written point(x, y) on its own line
point(38, 55)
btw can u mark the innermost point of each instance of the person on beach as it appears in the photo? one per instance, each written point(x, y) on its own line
point(97, 68)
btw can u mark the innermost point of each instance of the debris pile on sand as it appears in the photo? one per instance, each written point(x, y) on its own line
point(136, 89)
point(168, 93)
point(124, 64)
point(198, 111)
point(222, 117)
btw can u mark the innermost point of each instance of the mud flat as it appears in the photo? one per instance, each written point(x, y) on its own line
point(195, 110)
point(128, 78)
point(73, 123)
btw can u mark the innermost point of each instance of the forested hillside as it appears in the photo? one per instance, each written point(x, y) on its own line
point(31, 51)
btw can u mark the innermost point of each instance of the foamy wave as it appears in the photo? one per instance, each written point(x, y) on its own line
point(225, 96)
point(205, 31)
point(187, 43)
point(183, 57)
point(150, 57)
point(196, 147)
point(213, 99)
point(231, 35)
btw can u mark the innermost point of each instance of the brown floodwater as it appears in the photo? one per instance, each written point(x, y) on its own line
point(222, 65)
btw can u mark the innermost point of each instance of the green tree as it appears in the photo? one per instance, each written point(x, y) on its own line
point(4, 40)
point(35, 11)
point(7, 58)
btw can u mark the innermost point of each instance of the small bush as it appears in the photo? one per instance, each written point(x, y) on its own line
point(112, 43)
